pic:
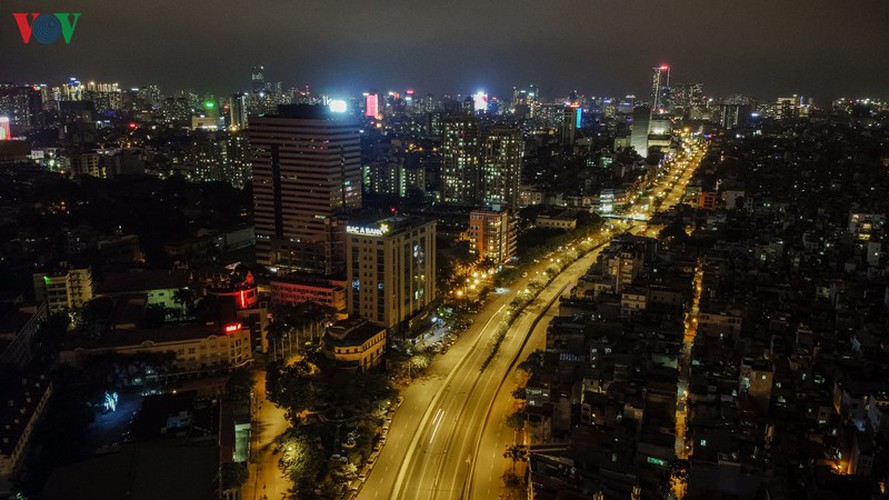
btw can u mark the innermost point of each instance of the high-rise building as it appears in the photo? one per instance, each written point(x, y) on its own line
point(734, 115)
point(306, 170)
point(492, 236)
point(371, 105)
point(502, 171)
point(23, 105)
point(660, 85)
point(257, 78)
point(569, 124)
point(640, 130)
point(237, 110)
point(479, 102)
point(461, 162)
point(391, 269)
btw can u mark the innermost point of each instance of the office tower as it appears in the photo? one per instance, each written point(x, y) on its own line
point(371, 105)
point(257, 79)
point(733, 116)
point(391, 269)
point(479, 102)
point(570, 122)
point(175, 110)
point(789, 107)
point(238, 112)
point(492, 236)
point(660, 84)
point(640, 128)
point(5, 133)
point(687, 96)
point(306, 170)
point(23, 105)
point(460, 160)
point(504, 150)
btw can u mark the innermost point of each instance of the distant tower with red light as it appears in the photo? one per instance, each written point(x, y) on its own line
point(660, 84)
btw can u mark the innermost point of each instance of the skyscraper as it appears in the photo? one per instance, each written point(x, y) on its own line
point(257, 78)
point(306, 171)
point(461, 161)
point(391, 269)
point(502, 172)
point(660, 84)
point(640, 130)
point(238, 112)
point(569, 124)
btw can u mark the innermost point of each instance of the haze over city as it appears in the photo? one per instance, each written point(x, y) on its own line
point(825, 48)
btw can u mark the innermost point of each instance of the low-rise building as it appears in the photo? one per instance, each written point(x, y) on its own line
point(293, 290)
point(195, 348)
point(355, 344)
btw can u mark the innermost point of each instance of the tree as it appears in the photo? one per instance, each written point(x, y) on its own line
point(239, 384)
point(234, 475)
point(516, 453)
point(516, 420)
point(185, 299)
point(155, 315)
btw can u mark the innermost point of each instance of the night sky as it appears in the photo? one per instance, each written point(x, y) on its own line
point(825, 48)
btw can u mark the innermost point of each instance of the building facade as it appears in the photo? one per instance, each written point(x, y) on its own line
point(504, 149)
point(461, 160)
point(391, 269)
point(492, 236)
point(65, 290)
point(306, 170)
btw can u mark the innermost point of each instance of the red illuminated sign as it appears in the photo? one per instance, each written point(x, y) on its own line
point(232, 328)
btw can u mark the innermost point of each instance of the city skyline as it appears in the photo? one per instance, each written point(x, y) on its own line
point(339, 48)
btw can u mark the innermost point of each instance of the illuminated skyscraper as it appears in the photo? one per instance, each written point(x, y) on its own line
point(461, 162)
point(660, 84)
point(502, 171)
point(306, 170)
point(480, 102)
point(371, 105)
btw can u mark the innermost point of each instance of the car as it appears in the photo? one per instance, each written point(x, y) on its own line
point(362, 477)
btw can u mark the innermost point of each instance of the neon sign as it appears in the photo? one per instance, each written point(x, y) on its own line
point(232, 327)
point(368, 231)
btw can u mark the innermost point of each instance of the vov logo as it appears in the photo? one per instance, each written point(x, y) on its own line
point(46, 28)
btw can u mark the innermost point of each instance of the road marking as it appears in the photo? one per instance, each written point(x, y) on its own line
point(412, 446)
point(439, 417)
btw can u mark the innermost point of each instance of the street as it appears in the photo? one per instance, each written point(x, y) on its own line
point(266, 479)
point(447, 440)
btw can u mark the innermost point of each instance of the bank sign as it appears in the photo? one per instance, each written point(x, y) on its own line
point(46, 28)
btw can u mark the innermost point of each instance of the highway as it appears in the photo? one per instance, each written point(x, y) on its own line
point(447, 439)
